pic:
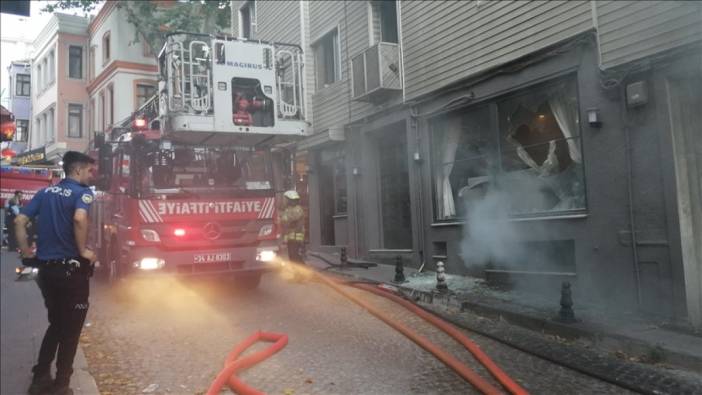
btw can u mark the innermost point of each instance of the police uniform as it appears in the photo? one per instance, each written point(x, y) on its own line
point(63, 274)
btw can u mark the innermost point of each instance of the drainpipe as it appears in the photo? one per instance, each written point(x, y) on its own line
point(630, 195)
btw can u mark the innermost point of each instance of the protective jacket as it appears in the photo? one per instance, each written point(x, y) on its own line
point(293, 221)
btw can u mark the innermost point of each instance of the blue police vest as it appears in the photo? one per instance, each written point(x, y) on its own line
point(55, 207)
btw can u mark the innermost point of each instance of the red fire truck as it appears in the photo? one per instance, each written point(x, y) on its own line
point(188, 183)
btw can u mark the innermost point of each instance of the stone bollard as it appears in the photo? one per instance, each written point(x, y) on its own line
point(399, 271)
point(441, 277)
point(566, 313)
point(343, 258)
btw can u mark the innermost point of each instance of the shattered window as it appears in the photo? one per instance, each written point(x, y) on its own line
point(526, 159)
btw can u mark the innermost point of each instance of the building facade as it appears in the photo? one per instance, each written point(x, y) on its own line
point(59, 97)
point(534, 142)
point(20, 102)
point(122, 73)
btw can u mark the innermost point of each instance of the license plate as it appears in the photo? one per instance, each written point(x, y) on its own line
point(212, 257)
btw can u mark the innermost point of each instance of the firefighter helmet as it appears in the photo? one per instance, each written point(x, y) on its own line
point(292, 195)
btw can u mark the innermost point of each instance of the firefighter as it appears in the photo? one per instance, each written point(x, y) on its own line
point(293, 221)
point(65, 265)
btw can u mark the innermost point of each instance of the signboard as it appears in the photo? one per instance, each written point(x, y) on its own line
point(35, 155)
point(159, 211)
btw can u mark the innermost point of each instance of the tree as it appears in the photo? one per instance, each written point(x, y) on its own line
point(153, 21)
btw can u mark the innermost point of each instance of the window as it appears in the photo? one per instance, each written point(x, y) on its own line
point(143, 93)
point(45, 74)
point(37, 132)
point(384, 21)
point(111, 104)
point(105, 48)
point(520, 154)
point(22, 131)
point(50, 126)
point(75, 62)
point(247, 18)
point(52, 68)
point(91, 63)
point(44, 129)
point(93, 117)
point(327, 59)
point(101, 111)
point(22, 85)
point(75, 120)
point(39, 80)
point(340, 203)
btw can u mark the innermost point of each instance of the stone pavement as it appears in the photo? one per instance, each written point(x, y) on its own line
point(23, 323)
point(597, 345)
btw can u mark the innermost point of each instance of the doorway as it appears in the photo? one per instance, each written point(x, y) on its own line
point(393, 170)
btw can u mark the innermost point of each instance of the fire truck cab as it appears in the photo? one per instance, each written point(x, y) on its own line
point(188, 183)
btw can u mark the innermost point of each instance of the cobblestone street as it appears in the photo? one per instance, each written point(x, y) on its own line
point(169, 337)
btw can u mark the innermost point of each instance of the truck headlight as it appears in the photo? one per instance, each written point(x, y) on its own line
point(150, 263)
point(266, 255)
point(150, 235)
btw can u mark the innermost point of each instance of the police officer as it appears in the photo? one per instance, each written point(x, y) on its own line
point(64, 263)
point(292, 218)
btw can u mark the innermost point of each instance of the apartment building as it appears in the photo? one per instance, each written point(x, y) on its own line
point(59, 98)
point(122, 73)
point(533, 142)
point(20, 101)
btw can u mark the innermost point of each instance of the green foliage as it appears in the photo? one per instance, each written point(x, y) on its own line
point(153, 22)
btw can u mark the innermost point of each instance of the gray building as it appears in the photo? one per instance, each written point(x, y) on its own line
point(20, 101)
point(533, 142)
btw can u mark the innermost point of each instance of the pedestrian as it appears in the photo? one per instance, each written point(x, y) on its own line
point(13, 206)
point(292, 219)
point(65, 265)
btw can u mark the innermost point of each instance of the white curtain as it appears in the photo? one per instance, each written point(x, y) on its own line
point(566, 116)
point(446, 207)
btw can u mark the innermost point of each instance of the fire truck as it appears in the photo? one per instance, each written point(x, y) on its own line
point(188, 183)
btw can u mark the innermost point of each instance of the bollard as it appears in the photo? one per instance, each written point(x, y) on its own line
point(566, 313)
point(342, 257)
point(399, 271)
point(441, 277)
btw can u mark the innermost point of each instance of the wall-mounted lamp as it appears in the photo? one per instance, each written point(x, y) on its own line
point(593, 117)
point(355, 171)
point(417, 157)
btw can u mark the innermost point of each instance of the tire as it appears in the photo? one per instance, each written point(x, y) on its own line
point(109, 272)
point(247, 281)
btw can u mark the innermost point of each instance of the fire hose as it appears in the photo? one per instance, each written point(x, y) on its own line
point(232, 364)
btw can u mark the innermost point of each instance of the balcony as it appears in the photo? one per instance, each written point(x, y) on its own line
point(376, 73)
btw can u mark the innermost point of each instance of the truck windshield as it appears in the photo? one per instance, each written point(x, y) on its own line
point(201, 169)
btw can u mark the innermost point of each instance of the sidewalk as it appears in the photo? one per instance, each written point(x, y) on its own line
point(23, 322)
point(630, 337)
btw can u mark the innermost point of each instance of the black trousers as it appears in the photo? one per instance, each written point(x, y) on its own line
point(295, 251)
point(11, 235)
point(65, 291)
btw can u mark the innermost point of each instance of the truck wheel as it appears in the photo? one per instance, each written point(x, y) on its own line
point(247, 281)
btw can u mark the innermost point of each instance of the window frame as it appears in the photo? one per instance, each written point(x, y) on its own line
point(23, 84)
point(143, 82)
point(22, 132)
point(497, 150)
point(249, 7)
point(80, 61)
point(319, 45)
point(69, 115)
point(106, 44)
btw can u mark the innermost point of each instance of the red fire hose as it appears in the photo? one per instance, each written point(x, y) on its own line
point(459, 367)
point(506, 381)
point(232, 364)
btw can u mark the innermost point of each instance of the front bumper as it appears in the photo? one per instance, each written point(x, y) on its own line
point(155, 261)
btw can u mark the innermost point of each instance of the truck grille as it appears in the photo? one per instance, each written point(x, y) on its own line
point(209, 267)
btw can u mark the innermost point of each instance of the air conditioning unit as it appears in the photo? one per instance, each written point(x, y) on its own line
point(376, 72)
